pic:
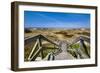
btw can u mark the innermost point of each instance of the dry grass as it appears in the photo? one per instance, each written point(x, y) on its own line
point(54, 34)
point(59, 34)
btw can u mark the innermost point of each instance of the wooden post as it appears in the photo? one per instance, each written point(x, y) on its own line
point(36, 54)
point(83, 47)
point(33, 50)
point(40, 45)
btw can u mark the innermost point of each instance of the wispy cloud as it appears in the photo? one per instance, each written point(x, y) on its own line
point(56, 20)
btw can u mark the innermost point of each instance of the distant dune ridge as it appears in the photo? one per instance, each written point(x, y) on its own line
point(58, 34)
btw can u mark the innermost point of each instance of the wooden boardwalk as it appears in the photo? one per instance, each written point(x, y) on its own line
point(64, 55)
point(61, 54)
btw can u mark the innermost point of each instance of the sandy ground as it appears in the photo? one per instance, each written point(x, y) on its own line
point(59, 34)
point(67, 35)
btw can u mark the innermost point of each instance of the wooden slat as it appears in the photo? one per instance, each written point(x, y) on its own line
point(36, 54)
point(86, 39)
point(83, 46)
point(42, 37)
point(78, 39)
point(30, 39)
point(40, 45)
point(33, 49)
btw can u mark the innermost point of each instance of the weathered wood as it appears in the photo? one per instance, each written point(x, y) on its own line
point(49, 57)
point(87, 39)
point(78, 39)
point(80, 54)
point(40, 45)
point(83, 46)
point(38, 40)
point(33, 38)
point(36, 54)
point(33, 49)
point(62, 46)
point(44, 38)
point(64, 55)
point(30, 39)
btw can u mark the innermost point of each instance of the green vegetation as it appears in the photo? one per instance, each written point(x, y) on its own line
point(73, 49)
point(48, 50)
point(75, 46)
point(56, 35)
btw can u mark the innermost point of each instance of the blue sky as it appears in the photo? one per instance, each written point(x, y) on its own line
point(56, 20)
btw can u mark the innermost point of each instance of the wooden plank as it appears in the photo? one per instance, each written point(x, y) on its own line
point(83, 46)
point(49, 56)
point(31, 39)
point(49, 40)
point(79, 38)
point(36, 54)
point(87, 39)
point(34, 48)
point(40, 45)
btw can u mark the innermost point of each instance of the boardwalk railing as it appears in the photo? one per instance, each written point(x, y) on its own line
point(38, 47)
point(83, 50)
point(35, 52)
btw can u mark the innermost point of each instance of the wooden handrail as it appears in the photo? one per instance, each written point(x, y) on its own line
point(34, 47)
point(38, 38)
